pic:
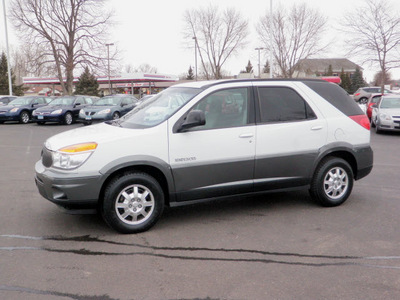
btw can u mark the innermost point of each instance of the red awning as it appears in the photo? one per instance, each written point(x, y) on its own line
point(334, 79)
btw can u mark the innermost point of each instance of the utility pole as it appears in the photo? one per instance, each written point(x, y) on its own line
point(195, 56)
point(8, 51)
point(259, 67)
point(108, 59)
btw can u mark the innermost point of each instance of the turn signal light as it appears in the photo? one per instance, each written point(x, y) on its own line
point(79, 148)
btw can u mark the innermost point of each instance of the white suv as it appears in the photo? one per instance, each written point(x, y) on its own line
point(209, 139)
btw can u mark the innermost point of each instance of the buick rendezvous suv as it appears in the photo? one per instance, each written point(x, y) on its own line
point(209, 139)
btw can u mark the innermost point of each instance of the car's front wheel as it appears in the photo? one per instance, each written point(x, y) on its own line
point(68, 119)
point(132, 203)
point(115, 115)
point(24, 117)
point(332, 182)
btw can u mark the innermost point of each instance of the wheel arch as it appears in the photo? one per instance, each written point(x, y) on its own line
point(343, 152)
point(159, 172)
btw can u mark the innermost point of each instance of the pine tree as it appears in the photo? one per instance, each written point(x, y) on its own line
point(266, 67)
point(87, 84)
point(3, 75)
point(357, 81)
point(4, 87)
point(249, 67)
point(330, 71)
point(345, 81)
point(190, 75)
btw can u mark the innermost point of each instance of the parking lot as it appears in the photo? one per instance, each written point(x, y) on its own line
point(274, 246)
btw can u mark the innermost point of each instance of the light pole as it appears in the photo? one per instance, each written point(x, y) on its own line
point(195, 56)
point(259, 67)
point(108, 59)
point(271, 63)
point(8, 51)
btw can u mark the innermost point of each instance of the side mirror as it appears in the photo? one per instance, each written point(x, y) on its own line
point(193, 119)
point(374, 106)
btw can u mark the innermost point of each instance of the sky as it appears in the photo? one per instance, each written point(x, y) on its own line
point(151, 32)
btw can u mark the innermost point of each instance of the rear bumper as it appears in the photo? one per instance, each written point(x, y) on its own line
point(365, 159)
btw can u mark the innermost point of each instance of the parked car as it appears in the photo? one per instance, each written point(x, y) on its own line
point(21, 108)
point(362, 94)
point(63, 110)
point(4, 100)
point(386, 114)
point(373, 99)
point(224, 138)
point(108, 108)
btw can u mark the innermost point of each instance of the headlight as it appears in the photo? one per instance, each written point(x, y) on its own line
point(56, 112)
point(104, 111)
point(384, 116)
point(34, 113)
point(73, 156)
point(82, 113)
point(15, 109)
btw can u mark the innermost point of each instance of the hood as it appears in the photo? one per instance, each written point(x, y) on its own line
point(50, 108)
point(9, 107)
point(100, 133)
point(390, 111)
point(96, 108)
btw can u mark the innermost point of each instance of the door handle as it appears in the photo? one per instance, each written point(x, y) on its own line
point(316, 128)
point(246, 135)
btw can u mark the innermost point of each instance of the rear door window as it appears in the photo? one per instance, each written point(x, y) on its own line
point(282, 104)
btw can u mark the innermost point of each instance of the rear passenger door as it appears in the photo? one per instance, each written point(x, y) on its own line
point(289, 134)
point(218, 158)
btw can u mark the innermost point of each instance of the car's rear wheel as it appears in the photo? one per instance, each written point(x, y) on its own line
point(24, 117)
point(332, 182)
point(363, 100)
point(68, 119)
point(132, 203)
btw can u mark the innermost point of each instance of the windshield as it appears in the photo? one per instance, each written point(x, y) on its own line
point(390, 103)
point(62, 101)
point(21, 101)
point(108, 101)
point(158, 108)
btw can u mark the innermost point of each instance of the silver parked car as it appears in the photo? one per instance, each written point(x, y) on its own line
point(362, 94)
point(386, 113)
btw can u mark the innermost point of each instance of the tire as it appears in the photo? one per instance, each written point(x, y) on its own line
point(377, 130)
point(115, 115)
point(123, 208)
point(372, 123)
point(68, 119)
point(363, 100)
point(332, 182)
point(24, 117)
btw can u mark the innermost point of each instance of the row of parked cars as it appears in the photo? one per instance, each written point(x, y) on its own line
point(66, 109)
point(382, 109)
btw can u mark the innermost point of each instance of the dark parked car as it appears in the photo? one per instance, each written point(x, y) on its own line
point(4, 100)
point(21, 108)
point(63, 110)
point(108, 108)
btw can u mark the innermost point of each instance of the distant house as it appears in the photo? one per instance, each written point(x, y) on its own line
point(320, 66)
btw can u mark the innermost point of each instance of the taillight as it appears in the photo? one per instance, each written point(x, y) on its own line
point(358, 94)
point(361, 120)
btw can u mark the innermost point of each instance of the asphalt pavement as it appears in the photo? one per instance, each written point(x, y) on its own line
point(273, 246)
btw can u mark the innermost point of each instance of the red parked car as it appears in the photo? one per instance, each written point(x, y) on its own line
point(373, 99)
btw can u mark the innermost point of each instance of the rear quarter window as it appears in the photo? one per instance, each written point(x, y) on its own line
point(336, 96)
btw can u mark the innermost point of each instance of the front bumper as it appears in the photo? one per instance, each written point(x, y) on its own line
point(47, 118)
point(68, 190)
point(9, 116)
point(391, 125)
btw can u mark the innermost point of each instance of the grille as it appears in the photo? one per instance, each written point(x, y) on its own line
point(47, 158)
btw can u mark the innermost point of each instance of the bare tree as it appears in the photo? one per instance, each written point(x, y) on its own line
point(296, 34)
point(71, 33)
point(375, 37)
point(217, 35)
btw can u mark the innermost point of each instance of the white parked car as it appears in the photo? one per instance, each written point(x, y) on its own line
point(386, 113)
point(209, 139)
